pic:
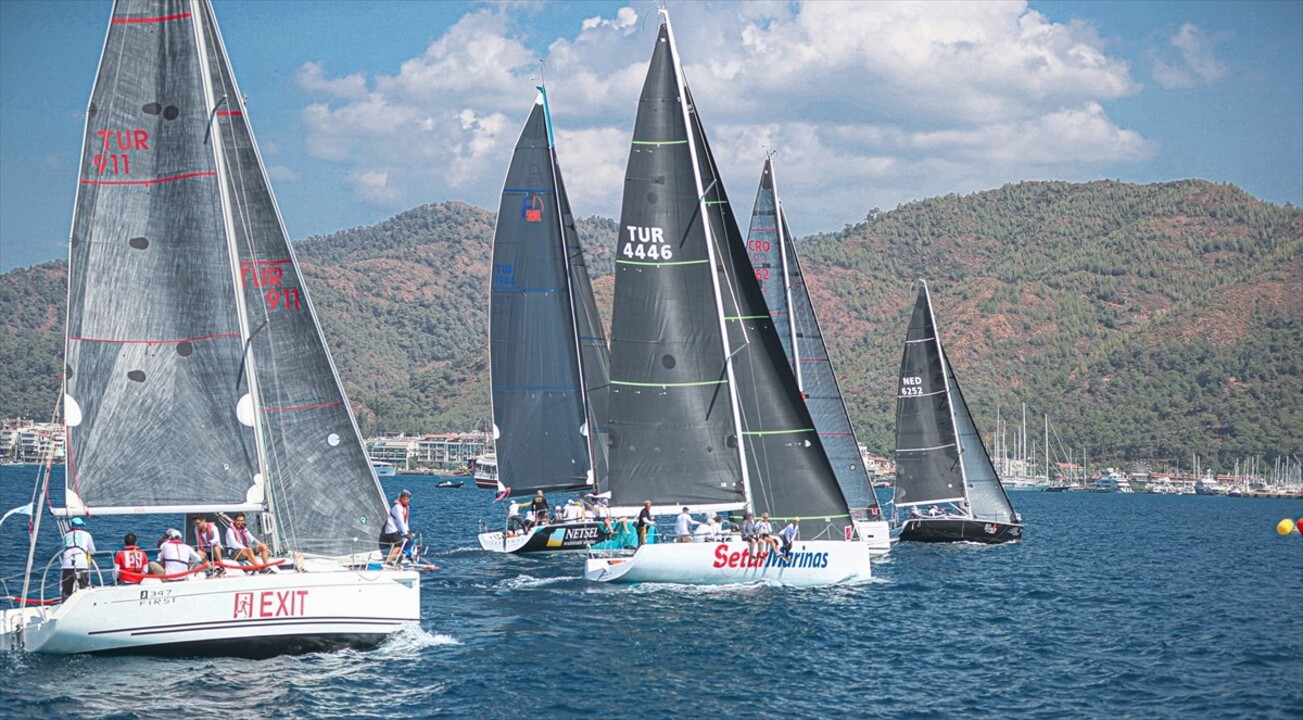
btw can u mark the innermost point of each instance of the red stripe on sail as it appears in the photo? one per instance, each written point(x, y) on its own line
point(186, 176)
point(229, 113)
point(150, 20)
point(275, 261)
point(155, 342)
point(293, 408)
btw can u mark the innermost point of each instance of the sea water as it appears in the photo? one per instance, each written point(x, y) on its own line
point(1114, 606)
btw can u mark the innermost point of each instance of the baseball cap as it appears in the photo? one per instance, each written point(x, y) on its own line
point(78, 522)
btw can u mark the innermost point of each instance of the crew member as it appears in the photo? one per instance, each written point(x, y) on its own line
point(244, 544)
point(131, 562)
point(174, 556)
point(396, 531)
point(75, 558)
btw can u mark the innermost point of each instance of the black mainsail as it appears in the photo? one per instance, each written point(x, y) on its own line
point(940, 457)
point(777, 268)
point(705, 411)
point(548, 355)
point(198, 377)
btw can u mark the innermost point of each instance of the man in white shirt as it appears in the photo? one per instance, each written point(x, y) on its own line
point(790, 534)
point(74, 559)
point(174, 556)
point(396, 531)
point(683, 526)
point(244, 544)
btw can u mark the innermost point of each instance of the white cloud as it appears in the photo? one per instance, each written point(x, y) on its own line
point(312, 78)
point(1194, 64)
point(871, 103)
point(280, 173)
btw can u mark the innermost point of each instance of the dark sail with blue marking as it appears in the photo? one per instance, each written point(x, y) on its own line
point(541, 421)
point(778, 270)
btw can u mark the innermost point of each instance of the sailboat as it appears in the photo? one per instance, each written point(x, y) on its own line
point(705, 411)
point(197, 378)
point(778, 270)
point(549, 364)
point(940, 459)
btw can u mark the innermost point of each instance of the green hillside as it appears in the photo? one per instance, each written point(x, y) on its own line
point(1148, 321)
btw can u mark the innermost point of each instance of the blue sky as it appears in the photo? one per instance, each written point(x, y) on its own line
point(364, 110)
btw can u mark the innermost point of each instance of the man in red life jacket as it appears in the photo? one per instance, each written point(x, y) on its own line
point(131, 562)
point(244, 543)
point(208, 541)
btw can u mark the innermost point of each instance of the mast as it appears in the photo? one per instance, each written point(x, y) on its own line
point(228, 228)
point(590, 432)
point(950, 403)
point(703, 209)
point(779, 229)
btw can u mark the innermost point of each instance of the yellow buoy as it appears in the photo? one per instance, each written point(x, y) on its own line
point(1285, 527)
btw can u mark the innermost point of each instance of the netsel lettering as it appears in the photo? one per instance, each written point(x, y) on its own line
point(270, 604)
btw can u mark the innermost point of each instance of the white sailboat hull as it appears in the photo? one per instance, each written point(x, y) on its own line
point(813, 563)
point(876, 534)
point(235, 615)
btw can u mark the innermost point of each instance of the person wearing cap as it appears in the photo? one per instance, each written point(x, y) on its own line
point(644, 521)
point(131, 562)
point(396, 530)
point(75, 558)
point(174, 556)
point(243, 544)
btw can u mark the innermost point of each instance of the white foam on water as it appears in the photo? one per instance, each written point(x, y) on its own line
point(529, 581)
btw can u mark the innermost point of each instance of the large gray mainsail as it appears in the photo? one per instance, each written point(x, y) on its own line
point(928, 464)
point(185, 272)
point(323, 490)
point(778, 270)
point(153, 346)
point(539, 354)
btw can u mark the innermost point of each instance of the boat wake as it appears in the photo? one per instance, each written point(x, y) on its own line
point(410, 639)
point(525, 582)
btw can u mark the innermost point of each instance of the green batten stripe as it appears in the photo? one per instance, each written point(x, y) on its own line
point(660, 142)
point(665, 385)
point(779, 432)
point(716, 202)
point(746, 317)
point(658, 264)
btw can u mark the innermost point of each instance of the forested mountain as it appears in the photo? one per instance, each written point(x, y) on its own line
point(1148, 321)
